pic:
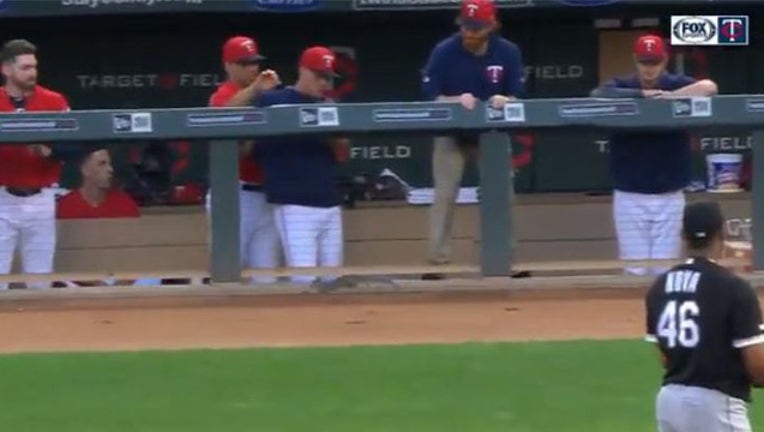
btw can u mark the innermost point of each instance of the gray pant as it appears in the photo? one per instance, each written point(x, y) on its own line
point(681, 408)
point(449, 156)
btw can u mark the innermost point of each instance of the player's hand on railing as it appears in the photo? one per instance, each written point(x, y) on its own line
point(498, 101)
point(468, 101)
point(653, 94)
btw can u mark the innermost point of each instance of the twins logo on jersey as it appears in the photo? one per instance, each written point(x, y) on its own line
point(495, 73)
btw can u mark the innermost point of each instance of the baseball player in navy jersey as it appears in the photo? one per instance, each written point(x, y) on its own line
point(300, 174)
point(476, 64)
point(650, 169)
point(706, 323)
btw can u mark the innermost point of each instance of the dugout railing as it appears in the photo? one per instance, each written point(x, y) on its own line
point(223, 126)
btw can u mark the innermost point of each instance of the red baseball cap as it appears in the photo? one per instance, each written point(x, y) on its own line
point(241, 49)
point(650, 48)
point(319, 59)
point(477, 14)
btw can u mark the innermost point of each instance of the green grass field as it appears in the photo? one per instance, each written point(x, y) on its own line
point(571, 386)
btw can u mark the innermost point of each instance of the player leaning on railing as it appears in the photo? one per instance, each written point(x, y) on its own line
point(475, 64)
point(650, 169)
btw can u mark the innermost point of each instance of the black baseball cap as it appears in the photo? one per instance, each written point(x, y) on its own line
point(702, 220)
point(85, 150)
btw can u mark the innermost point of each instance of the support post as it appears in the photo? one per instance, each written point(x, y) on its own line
point(225, 260)
point(757, 196)
point(496, 193)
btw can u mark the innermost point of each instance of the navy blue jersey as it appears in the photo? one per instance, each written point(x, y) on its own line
point(298, 170)
point(452, 70)
point(650, 162)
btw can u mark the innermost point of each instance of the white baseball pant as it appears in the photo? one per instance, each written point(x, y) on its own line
point(681, 408)
point(28, 223)
point(311, 237)
point(648, 227)
point(258, 237)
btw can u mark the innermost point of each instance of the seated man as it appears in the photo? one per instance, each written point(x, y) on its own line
point(96, 198)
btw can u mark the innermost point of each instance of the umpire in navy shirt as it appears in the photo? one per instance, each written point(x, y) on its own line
point(650, 169)
point(475, 64)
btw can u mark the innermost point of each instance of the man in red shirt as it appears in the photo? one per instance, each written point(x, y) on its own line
point(27, 204)
point(260, 245)
point(96, 198)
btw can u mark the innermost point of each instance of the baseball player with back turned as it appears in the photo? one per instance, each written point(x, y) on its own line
point(300, 172)
point(27, 203)
point(473, 65)
point(650, 169)
point(706, 323)
point(258, 238)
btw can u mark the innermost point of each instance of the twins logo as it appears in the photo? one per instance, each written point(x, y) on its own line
point(472, 9)
point(329, 61)
point(495, 73)
point(733, 30)
point(249, 46)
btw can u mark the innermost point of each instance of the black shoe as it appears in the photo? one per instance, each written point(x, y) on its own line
point(520, 274)
point(433, 276)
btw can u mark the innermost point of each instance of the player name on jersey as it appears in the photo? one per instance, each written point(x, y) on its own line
point(682, 281)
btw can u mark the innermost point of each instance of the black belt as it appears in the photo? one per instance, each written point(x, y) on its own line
point(249, 187)
point(23, 192)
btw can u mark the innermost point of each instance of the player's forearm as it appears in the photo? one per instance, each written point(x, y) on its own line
point(244, 97)
point(442, 98)
point(516, 81)
point(701, 88)
point(616, 93)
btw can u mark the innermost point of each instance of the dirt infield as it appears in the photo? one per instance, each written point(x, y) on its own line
point(239, 317)
point(177, 322)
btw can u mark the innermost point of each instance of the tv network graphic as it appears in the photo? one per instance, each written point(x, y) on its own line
point(709, 30)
